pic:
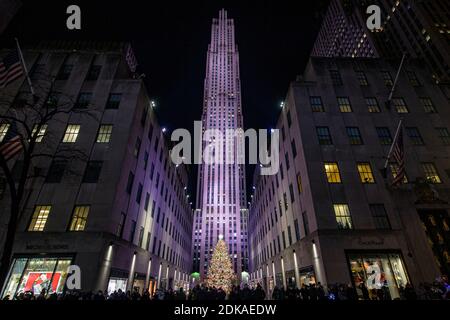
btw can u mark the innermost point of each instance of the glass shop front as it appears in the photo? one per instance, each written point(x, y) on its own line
point(35, 274)
point(378, 276)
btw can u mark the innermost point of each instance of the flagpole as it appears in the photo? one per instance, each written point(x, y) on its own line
point(393, 142)
point(388, 102)
point(24, 67)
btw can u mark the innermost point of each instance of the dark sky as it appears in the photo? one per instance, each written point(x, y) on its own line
point(171, 38)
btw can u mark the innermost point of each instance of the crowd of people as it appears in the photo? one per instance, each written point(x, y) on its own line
point(438, 290)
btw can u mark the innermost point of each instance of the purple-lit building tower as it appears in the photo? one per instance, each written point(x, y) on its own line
point(221, 187)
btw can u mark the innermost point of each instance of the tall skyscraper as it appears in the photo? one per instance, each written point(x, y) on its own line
point(418, 28)
point(343, 33)
point(221, 187)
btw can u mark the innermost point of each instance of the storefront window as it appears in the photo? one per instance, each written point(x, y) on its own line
point(37, 274)
point(307, 276)
point(115, 284)
point(378, 276)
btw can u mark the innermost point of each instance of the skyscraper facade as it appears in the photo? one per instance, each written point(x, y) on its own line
point(343, 33)
point(221, 187)
point(417, 28)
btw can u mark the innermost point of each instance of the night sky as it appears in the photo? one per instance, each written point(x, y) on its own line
point(170, 39)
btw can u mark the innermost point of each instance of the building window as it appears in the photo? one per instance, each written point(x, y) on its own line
point(139, 193)
point(395, 169)
point(64, 72)
point(380, 216)
point(384, 135)
point(4, 127)
point(428, 105)
point(104, 133)
point(299, 183)
point(130, 182)
point(56, 171)
point(354, 135)
point(52, 100)
point(324, 136)
point(343, 218)
point(413, 78)
point(94, 72)
point(414, 134)
point(365, 172)
point(79, 218)
point(294, 149)
point(387, 78)
point(92, 172)
point(291, 192)
point(39, 218)
point(444, 135)
point(400, 105)
point(372, 105)
point(361, 78)
point(332, 172)
point(121, 225)
point(113, 101)
point(344, 104)
point(297, 230)
point(289, 119)
point(71, 134)
point(132, 230)
point(83, 101)
point(335, 77)
point(137, 147)
point(316, 104)
point(431, 174)
point(39, 135)
point(389, 267)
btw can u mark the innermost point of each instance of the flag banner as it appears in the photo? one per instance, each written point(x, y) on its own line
point(11, 144)
point(10, 68)
point(398, 154)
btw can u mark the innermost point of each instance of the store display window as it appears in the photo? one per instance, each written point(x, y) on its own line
point(33, 275)
point(378, 276)
point(115, 284)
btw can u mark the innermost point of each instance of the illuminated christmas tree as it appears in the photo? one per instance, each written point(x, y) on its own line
point(220, 271)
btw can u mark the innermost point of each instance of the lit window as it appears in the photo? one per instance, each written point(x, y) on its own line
point(372, 105)
point(332, 172)
point(40, 135)
point(365, 172)
point(444, 135)
point(394, 170)
point(39, 218)
point(104, 133)
point(79, 218)
point(428, 105)
point(354, 135)
point(71, 134)
point(414, 134)
point(400, 105)
point(4, 127)
point(431, 173)
point(343, 218)
point(344, 104)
